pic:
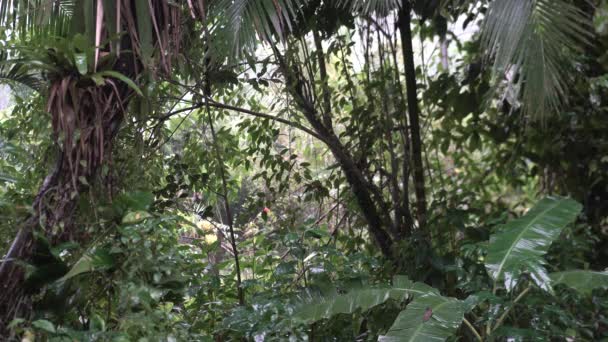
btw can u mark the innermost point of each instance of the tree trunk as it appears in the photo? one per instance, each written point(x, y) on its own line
point(404, 23)
point(55, 204)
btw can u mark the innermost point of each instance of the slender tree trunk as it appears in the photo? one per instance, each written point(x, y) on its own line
point(240, 294)
point(326, 115)
point(362, 189)
point(404, 23)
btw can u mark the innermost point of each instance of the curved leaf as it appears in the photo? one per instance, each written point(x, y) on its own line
point(427, 318)
point(100, 259)
point(581, 280)
point(268, 19)
point(362, 299)
point(520, 245)
point(121, 77)
point(44, 325)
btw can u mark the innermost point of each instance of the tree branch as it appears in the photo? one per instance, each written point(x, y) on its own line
point(244, 111)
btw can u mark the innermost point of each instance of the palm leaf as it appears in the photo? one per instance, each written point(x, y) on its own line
point(363, 299)
point(581, 280)
point(271, 20)
point(520, 245)
point(35, 18)
point(532, 42)
point(427, 318)
point(368, 7)
point(13, 71)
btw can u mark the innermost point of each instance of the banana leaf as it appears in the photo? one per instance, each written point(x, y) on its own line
point(581, 280)
point(520, 245)
point(427, 318)
point(362, 299)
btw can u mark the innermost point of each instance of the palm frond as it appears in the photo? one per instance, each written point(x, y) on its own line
point(531, 42)
point(369, 7)
point(35, 18)
point(13, 71)
point(270, 20)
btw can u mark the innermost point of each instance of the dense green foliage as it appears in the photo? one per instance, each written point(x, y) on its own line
point(272, 170)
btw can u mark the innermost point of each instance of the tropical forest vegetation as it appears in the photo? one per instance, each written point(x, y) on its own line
point(303, 170)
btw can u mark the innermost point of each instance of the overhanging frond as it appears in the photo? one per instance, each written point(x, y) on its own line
point(369, 7)
point(271, 20)
point(12, 72)
point(36, 17)
point(531, 43)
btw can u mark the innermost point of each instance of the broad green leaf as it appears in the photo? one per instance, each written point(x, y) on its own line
point(45, 325)
point(100, 259)
point(121, 77)
point(520, 244)
point(401, 282)
point(348, 303)
point(581, 280)
point(427, 318)
point(362, 299)
point(15, 322)
point(81, 63)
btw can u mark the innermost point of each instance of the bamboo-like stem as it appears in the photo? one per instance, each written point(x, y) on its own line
point(473, 330)
point(240, 294)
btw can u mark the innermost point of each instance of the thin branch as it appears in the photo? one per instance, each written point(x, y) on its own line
point(473, 330)
point(245, 111)
point(504, 315)
point(270, 117)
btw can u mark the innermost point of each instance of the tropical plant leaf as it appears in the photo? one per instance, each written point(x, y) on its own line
point(121, 77)
point(14, 71)
point(271, 20)
point(89, 262)
point(531, 43)
point(583, 281)
point(520, 244)
point(362, 299)
point(44, 325)
point(368, 7)
point(37, 18)
point(427, 318)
